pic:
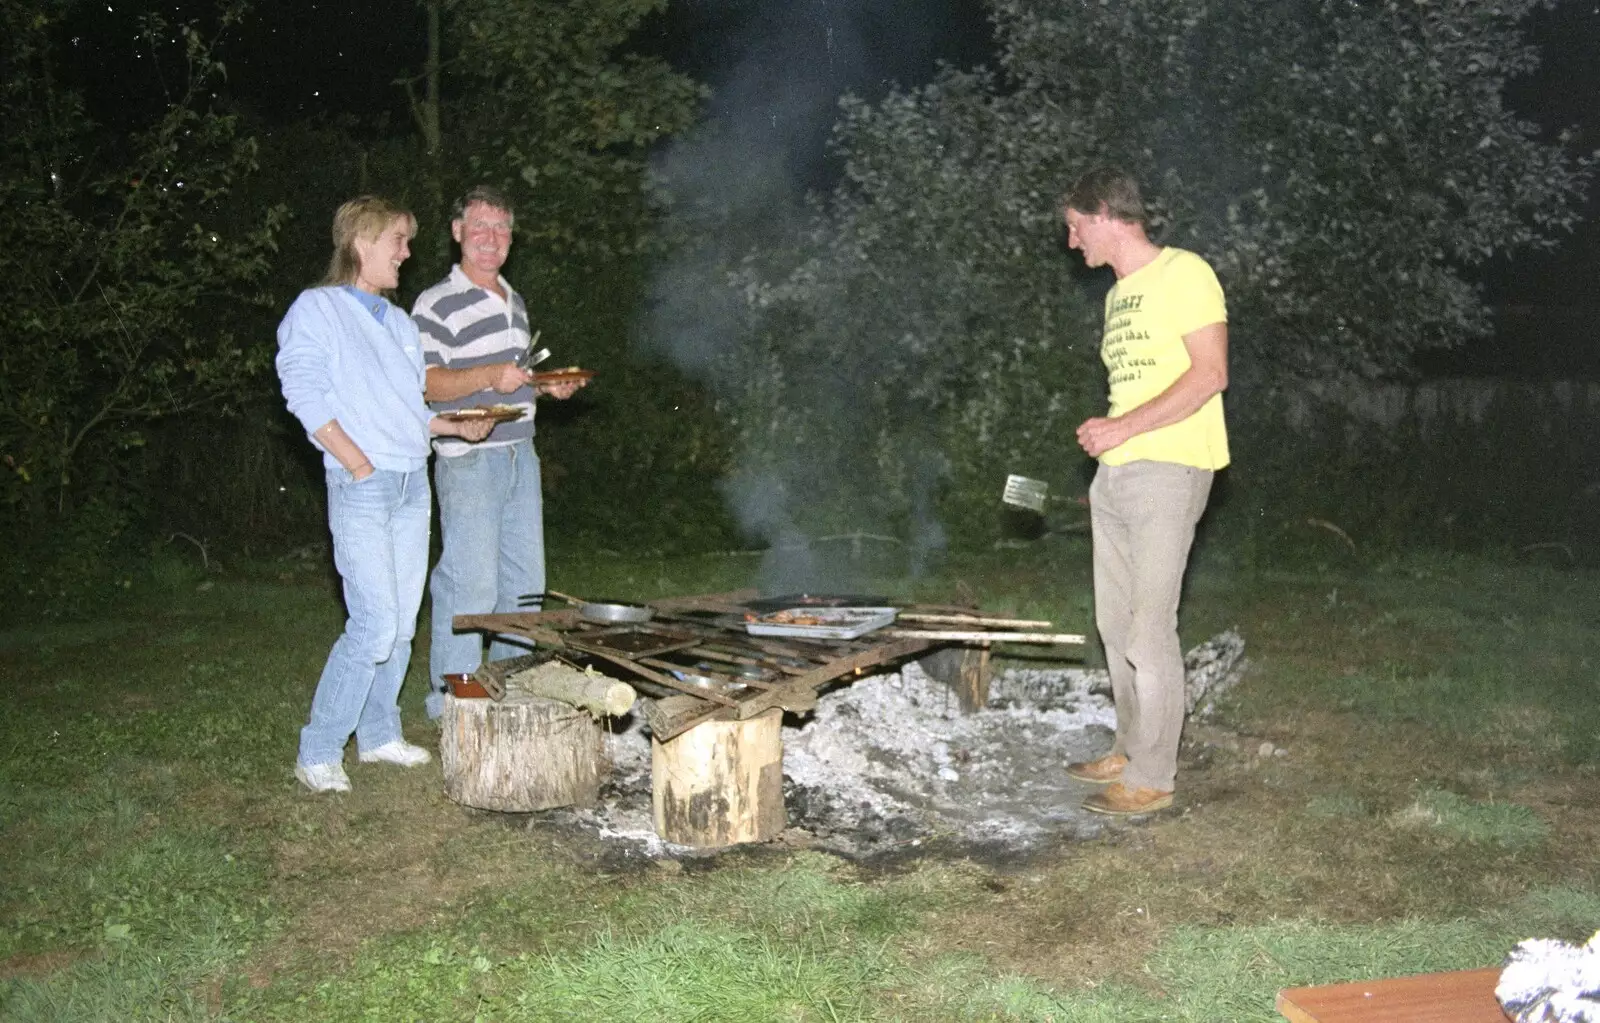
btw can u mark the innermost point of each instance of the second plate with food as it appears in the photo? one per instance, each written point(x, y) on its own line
point(493, 413)
point(572, 374)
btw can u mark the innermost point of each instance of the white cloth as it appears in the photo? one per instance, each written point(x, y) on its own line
point(1548, 981)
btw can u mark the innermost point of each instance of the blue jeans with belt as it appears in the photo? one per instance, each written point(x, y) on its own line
point(491, 519)
point(380, 546)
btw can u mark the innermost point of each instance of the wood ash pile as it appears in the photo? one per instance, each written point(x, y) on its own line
point(889, 763)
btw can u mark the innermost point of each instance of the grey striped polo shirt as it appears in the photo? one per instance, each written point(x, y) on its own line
point(463, 326)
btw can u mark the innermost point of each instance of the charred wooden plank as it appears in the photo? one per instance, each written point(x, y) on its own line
point(541, 627)
point(632, 643)
point(799, 695)
point(731, 602)
point(858, 662)
point(754, 683)
point(983, 636)
point(657, 677)
point(717, 653)
point(492, 675)
point(974, 620)
point(789, 650)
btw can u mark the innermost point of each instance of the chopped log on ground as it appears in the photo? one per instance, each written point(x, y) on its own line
point(520, 754)
point(966, 670)
point(542, 675)
point(720, 783)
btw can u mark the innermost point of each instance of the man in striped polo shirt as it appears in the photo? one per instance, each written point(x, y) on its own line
point(474, 329)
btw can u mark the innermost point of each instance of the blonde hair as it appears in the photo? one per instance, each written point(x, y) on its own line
point(365, 217)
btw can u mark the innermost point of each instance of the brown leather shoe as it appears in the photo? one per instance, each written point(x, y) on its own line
point(1107, 768)
point(1117, 800)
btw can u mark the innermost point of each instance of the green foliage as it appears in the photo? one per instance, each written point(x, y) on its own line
point(220, 490)
point(552, 107)
point(1338, 163)
point(914, 336)
point(1341, 165)
point(545, 102)
point(1326, 487)
point(123, 272)
point(628, 463)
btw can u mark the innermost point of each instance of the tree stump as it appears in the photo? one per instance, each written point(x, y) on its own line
point(966, 670)
point(720, 783)
point(519, 754)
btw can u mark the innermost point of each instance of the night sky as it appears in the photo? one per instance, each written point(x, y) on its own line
point(778, 61)
point(1564, 93)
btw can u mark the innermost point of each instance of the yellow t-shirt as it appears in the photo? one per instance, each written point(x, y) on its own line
point(1147, 314)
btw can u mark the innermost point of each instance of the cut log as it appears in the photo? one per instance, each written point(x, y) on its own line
point(598, 694)
point(966, 670)
point(720, 783)
point(520, 754)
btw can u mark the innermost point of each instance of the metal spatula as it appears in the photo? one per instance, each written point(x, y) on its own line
point(1022, 492)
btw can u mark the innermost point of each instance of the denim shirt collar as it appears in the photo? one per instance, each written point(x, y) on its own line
point(377, 305)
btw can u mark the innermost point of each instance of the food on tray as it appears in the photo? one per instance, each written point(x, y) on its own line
point(820, 622)
point(792, 617)
point(560, 376)
point(499, 413)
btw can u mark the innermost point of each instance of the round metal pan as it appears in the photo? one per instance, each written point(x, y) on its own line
point(615, 612)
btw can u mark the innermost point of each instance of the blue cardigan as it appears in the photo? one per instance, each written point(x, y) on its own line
point(336, 361)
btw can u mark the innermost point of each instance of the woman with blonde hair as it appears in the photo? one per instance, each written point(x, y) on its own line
point(350, 363)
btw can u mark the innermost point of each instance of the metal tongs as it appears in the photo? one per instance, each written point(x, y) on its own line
point(530, 358)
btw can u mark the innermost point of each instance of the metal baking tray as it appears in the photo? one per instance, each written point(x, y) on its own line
point(821, 622)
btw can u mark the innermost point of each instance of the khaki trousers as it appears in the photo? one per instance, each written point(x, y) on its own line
point(1143, 516)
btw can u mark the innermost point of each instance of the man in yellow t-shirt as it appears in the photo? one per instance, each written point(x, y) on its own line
point(1165, 348)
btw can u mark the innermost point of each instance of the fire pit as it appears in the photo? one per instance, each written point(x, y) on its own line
point(722, 668)
point(708, 649)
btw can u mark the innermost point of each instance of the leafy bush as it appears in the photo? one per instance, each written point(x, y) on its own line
point(923, 335)
point(123, 272)
point(1335, 486)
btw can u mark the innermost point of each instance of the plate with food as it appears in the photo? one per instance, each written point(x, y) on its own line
point(571, 374)
point(819, 622)
point(493, 413)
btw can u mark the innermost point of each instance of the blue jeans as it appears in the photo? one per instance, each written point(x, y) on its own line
point(491, 518)
point(380, 546)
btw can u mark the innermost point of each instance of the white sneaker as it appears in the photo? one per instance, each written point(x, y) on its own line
point(323, 777)
point(396, 752)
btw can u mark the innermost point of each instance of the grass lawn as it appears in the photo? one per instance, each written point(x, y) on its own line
point(1404, 782)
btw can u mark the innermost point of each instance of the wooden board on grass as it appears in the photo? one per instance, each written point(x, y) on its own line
point(1463, 996)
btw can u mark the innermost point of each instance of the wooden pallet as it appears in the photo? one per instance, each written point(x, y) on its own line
point(705, 635)
point(1464, 996)
point(698, 648)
